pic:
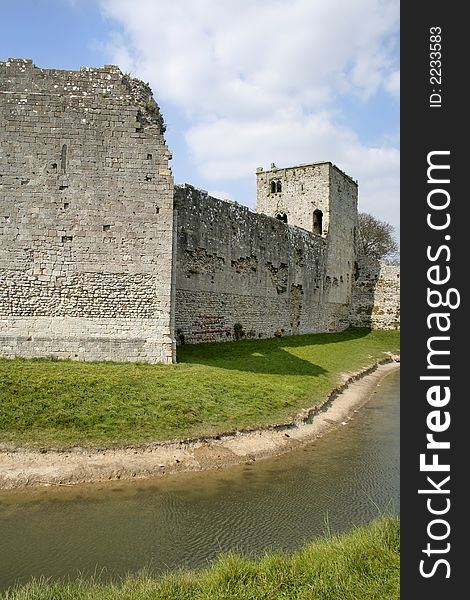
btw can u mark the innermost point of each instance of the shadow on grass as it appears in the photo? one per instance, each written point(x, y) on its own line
point(265, 356)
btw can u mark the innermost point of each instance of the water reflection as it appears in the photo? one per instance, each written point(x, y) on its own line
point(186, 520)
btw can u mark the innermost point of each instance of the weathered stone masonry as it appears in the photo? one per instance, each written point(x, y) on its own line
point(321, 199)
point(86, 219)
point(238, 267)
point(257, 271)
point(101, 258)
point(376, 295)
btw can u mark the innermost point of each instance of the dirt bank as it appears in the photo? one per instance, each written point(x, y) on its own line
point(21, 468)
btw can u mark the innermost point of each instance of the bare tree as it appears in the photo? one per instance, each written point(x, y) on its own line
point(376, 238)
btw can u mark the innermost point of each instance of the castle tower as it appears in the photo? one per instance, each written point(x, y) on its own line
point(303, 195)
point(322, 199)
point(86, 230)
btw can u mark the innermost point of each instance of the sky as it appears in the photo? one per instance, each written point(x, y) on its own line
point(243, 83)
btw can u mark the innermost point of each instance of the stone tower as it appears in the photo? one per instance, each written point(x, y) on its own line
point(86, 221)
point(303, 195)
point(322, 199)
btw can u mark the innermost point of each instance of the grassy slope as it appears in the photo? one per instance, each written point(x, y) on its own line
point(213, 388)
point(363, 564)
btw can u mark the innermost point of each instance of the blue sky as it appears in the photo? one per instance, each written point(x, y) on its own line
point(243, 83)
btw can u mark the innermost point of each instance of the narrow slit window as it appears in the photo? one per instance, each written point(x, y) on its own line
point(63, 158)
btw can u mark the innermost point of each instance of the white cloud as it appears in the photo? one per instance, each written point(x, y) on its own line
point(225, 150)
point(262, 81)
point(220, 56)
point(392, 84)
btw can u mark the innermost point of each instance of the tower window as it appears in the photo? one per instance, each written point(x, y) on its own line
point(317, 221)
point(278, 186)
point(273, 187)
point(282, 217)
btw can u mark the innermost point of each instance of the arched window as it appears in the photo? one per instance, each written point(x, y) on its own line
point(273, 187)
point(282, 217)
point(278, 186)
point(317, 221)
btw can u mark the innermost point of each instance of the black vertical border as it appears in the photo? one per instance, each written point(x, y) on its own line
point(425, 129)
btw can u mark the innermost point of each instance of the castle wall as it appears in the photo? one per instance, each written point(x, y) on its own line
point(86, 216)
point(376, 295)
point(238, 267)
point(102, 259)
point(319, 187)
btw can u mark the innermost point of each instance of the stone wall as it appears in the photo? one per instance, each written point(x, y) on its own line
point(322, 199)
point(236, 267)
point(86, 216)
point(376, 295)
point(100, 255)
point(341, 256)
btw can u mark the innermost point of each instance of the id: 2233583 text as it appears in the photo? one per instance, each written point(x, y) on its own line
point(435, 67)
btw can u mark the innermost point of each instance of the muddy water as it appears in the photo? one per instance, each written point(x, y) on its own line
point(344, 479)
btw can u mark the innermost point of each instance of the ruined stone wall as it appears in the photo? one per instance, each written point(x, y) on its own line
point(376, 295)
point(86, 216)
point(238, 267)
point(95, 263)
point(300, 193)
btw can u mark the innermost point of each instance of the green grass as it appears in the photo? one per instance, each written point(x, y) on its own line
point(213, 388)
point(360, 565)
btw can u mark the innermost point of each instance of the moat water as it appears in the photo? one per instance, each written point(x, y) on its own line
point(345, 479)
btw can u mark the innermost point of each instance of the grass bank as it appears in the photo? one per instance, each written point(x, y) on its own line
point(213, 388)
point(363, 564)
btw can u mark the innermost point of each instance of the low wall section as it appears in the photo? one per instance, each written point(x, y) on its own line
point(376, 295)
point(238, 268)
